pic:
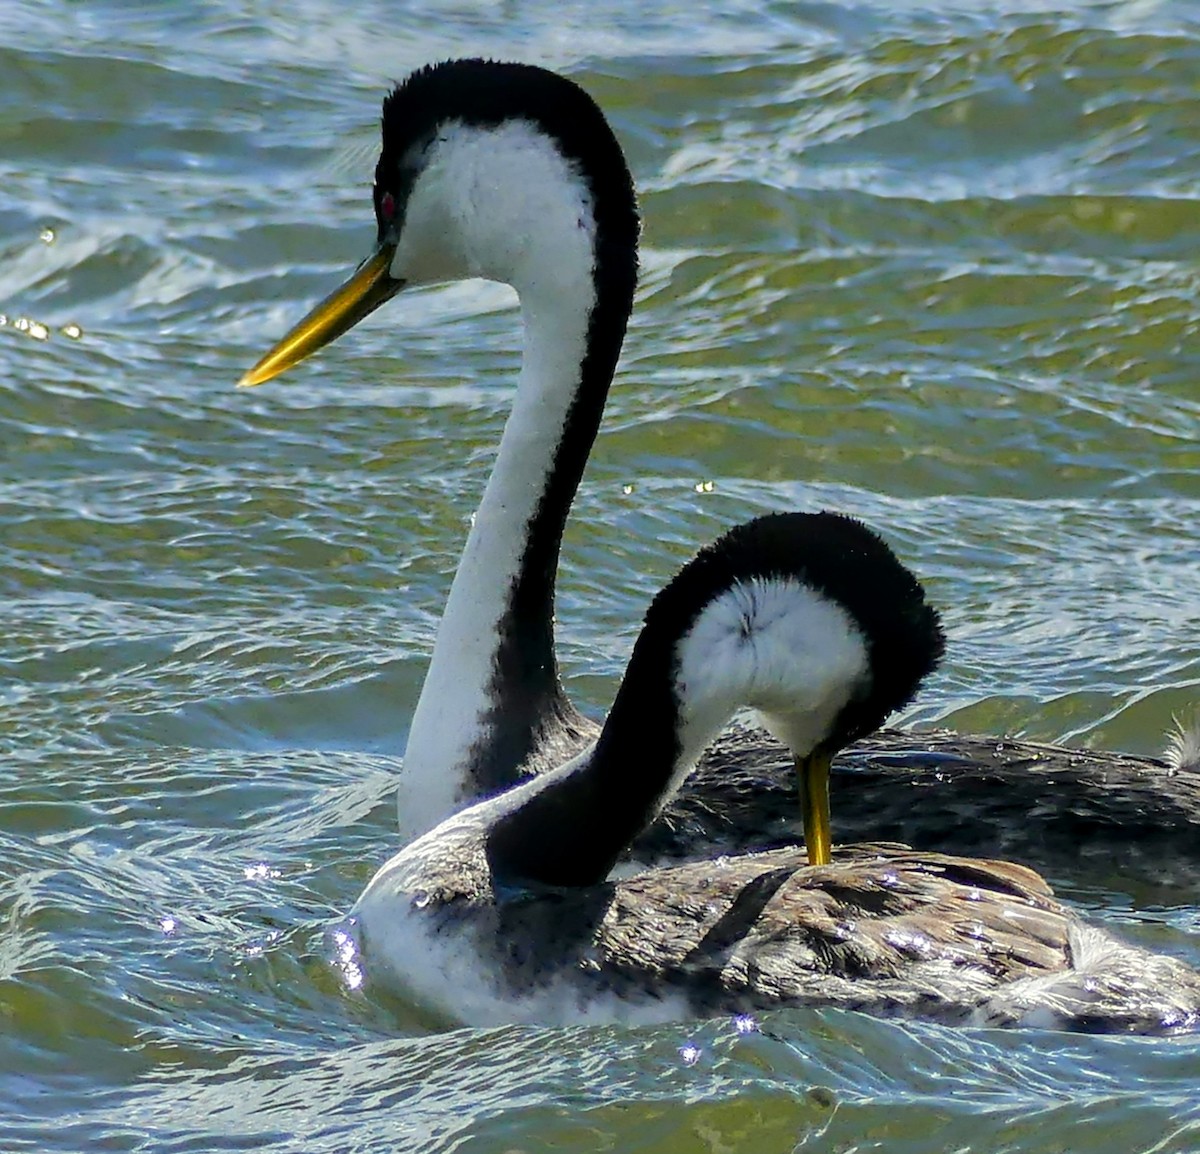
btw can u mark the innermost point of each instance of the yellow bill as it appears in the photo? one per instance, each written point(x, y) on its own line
point(813, 774)
point(371, 285)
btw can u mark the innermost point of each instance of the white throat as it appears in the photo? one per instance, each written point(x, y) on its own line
point(501, 203)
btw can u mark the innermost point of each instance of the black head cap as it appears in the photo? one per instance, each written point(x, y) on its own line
point(841, 559)
point(487, 93)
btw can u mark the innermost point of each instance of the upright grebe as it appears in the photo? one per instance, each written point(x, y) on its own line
point(511, 173)
point(503, 911)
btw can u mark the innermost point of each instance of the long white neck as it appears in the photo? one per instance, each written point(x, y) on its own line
point(453, 728)
point(505, 202)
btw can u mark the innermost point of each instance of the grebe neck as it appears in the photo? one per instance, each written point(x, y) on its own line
point(493, 688)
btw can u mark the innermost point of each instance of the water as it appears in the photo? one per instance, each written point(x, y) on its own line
point(933, 264)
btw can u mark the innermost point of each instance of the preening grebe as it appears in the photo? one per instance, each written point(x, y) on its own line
point(503, 911)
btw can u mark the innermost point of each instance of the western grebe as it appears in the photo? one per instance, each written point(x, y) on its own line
point(503, 911)
point(511, 173)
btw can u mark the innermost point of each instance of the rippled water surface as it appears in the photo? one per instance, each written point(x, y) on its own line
point(935, 264)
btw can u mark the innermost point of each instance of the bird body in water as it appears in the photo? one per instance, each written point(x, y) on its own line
point(506, 911)
point(512, 173)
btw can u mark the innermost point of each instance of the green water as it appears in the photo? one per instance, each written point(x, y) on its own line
point(933, 264)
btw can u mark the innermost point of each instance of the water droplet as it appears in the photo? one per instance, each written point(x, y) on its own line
point(626, 489)
point(745, 1024)
point(704, 486)
point(46, 236)
point(73, 331)
point(889, 879)
point(420, 900)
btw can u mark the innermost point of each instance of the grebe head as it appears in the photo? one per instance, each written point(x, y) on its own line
point(487, 169)
point(811, 621)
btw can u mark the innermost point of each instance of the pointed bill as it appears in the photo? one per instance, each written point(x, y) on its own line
point(371, 285)
point(813, 774)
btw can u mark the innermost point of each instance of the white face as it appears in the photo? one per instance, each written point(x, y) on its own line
point(499, 203)
point(779, 647)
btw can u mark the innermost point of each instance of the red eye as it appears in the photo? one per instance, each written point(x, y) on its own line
point(387, 206)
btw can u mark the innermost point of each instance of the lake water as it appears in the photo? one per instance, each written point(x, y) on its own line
point(934, 264)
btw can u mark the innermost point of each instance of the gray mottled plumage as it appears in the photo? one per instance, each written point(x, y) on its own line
point(883, 929)
point(1056, 809)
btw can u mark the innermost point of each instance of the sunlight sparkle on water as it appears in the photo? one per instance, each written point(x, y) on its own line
point(346, 958)
point(260, 871)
